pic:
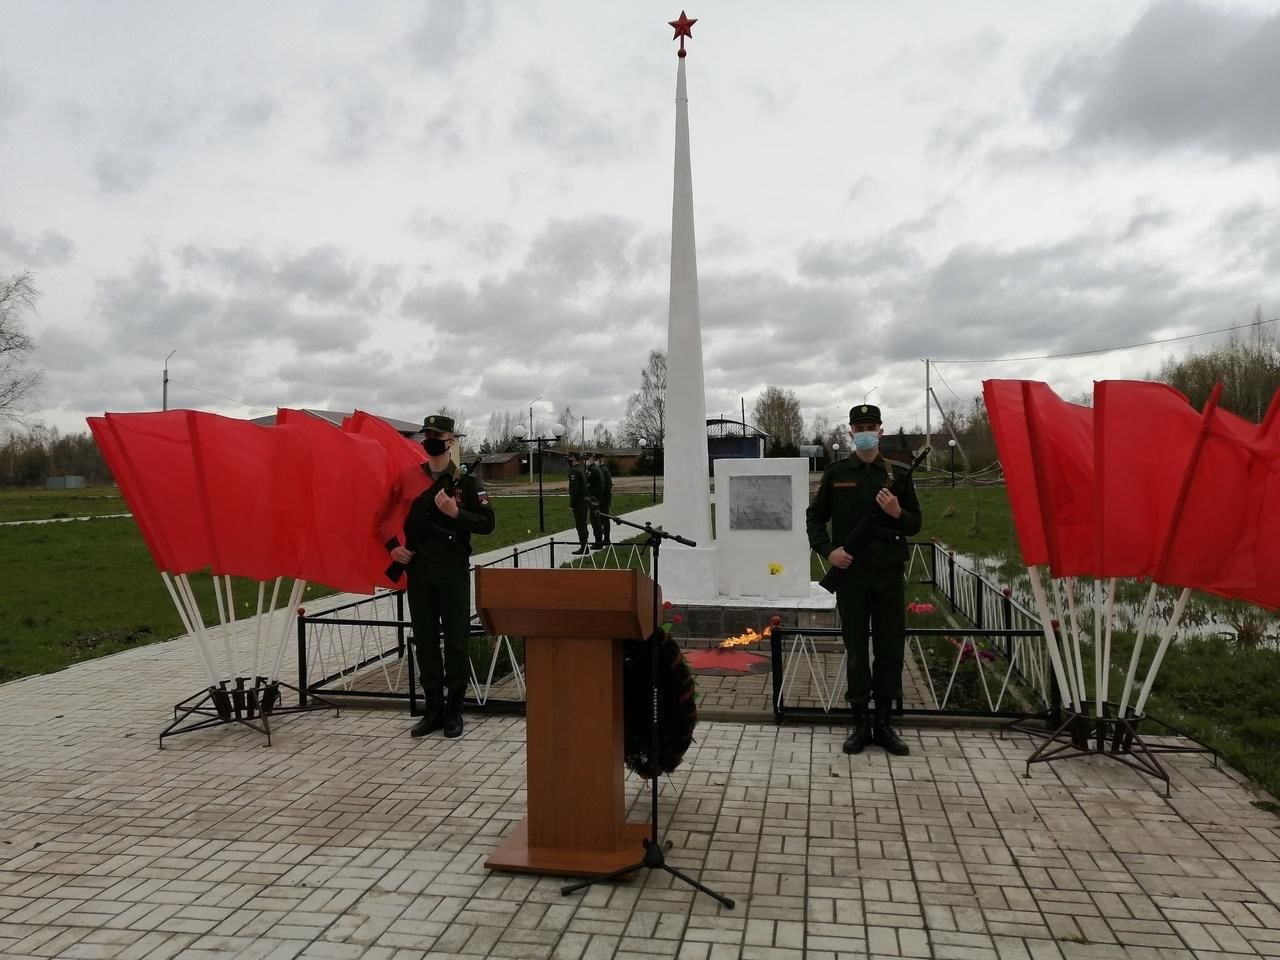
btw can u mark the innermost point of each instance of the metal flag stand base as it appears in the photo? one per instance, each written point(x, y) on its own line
point(1110, 735)
point(250, 707)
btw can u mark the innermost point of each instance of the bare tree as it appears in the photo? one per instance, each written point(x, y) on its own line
point(572, 428)
point(602, 437)
point(18, 296)
point(777, 413)
point(1248, 367)
point(647, 408)
point(502, 430)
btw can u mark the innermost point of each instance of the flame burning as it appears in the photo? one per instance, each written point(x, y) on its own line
point(744, 639)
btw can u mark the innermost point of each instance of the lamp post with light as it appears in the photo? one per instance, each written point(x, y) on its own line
point(520, 434)
point(952, 445)
point(653, 463)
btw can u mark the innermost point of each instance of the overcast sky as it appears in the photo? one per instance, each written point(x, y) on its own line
point(397, 205)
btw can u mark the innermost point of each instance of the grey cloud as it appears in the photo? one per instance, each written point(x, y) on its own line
point(251, 113)
point(447, 32)
point(1186, 75)
point(361, 116)
point(49, 249)
point(120, 171)
point(547, 118)
point(13, 96)
point(1252, 232)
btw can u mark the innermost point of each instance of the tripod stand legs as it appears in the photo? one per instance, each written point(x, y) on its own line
point(654, 859)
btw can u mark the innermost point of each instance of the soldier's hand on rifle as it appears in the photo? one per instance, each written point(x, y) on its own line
point(401, 554)
point(841, 558)
point(889, 503)
point(446, 504)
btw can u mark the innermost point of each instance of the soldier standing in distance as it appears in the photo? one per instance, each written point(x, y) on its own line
point(595, 500)
point(578, 499)
point(606, 497)
point(873, 594)
point(436, 555)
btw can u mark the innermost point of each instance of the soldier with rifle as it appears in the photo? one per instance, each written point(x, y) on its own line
point(872, 510)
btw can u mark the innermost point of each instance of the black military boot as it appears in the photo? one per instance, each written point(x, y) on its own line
point(583, 548)
point(882, 732)
point(432, 716)
point(453, 712)
point(860, 736)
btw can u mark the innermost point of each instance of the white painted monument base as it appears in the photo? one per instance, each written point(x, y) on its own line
point(687, 573)
point(760, 517)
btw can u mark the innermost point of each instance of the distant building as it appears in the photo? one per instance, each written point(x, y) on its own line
point(734, 440)
point(412, 431)
point(63, 483)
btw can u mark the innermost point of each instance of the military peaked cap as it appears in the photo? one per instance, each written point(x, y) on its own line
point(865, 413)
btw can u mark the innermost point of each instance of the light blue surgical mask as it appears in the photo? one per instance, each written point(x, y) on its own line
point(866, 440)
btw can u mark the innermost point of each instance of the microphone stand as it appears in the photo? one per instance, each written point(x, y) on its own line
point(654, 851)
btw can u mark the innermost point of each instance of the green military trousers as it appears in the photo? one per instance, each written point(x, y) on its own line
point(873, 621)
point(580, 521)
point(440, 605)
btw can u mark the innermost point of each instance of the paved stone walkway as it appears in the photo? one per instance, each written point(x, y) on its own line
point(348, 839)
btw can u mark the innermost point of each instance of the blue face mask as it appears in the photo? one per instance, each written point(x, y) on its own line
point(866, 440)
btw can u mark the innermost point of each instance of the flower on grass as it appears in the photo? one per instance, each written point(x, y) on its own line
point(667, 605)
point(915, 607)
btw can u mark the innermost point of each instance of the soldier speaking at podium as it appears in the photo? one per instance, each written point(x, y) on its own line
point(437, 558)
point(872, 595)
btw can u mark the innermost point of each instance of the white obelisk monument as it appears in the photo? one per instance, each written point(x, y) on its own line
point(687, 573)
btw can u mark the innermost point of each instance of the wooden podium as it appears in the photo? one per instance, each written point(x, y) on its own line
point(574, 623)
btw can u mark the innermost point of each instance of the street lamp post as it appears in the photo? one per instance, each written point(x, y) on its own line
point(164, 396)
point(653, 465)
point(519, 432)
point(952, 445)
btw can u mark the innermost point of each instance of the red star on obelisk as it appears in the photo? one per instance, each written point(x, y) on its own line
point(683, 28)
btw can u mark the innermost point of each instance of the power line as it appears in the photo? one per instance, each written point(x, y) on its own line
point(1126, 346)
point(252, 406)
point(948, 386)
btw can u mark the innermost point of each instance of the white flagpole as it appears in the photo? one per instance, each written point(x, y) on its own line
point(1169, 632)
point(205, 656)
point(193, 608)
point(232, 671)
point(295, 598)
point(1107, 619)
point(1064, 630)
point(1097, 646)
point(1137, 647)
point(1051, 641)
point(1069, 588)
point(257, 632)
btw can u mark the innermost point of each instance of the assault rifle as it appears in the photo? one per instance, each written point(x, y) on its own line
point(445, 483)
point(861, 530)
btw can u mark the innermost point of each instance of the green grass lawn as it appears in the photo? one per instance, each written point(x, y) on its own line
point(78, 590)
point(32, 503)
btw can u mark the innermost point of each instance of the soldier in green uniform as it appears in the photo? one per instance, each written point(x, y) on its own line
point(873, 594)
point(595, 500)
point(578, 499)
point(606, 498)
point(436, 554)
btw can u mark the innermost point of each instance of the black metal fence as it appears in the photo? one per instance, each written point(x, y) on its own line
point(338, 646)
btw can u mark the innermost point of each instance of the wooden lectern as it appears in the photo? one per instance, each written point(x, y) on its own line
point(574, 623)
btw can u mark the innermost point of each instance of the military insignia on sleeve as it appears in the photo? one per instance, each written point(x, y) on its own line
point(484, 497)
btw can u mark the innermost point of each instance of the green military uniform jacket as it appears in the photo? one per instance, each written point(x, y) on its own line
point(436, 537)
point(606, 480)
point(577, 487)
point(595, 482)
point(847, 493)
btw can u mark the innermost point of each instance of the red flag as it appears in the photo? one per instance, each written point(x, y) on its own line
point(348, 485)
point(253, 491)
point(1144, 433)
point(1008, 418)
point(1061, 435)
point(406, 480)
point(1222, 537)
point(156, 448)
point(104, 433)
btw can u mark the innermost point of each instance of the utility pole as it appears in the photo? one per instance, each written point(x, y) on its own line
point(928, 433)
point(164, 395)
